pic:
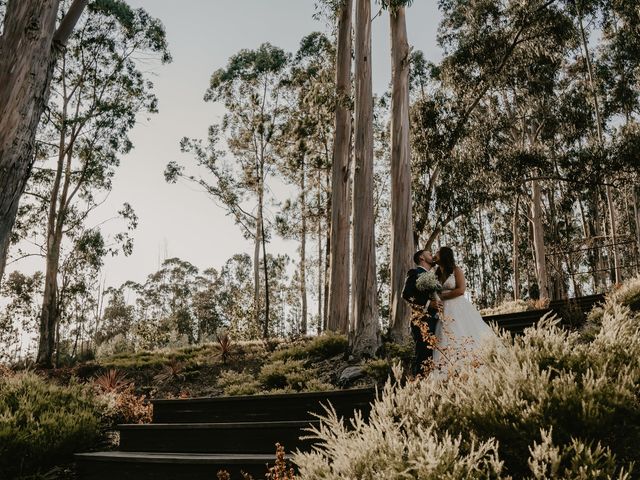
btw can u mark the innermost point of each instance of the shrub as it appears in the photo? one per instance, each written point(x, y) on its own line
point(321, 347)
point(290, 374)
point(398, 351)
point(224, 344)
point(42, 424)
point(548, 404)
point(114, 346)
point(512, 306)
point(124, 406)
point(628, 294)
point(238, 383)
point(378, 369)
point(174, 370)
point(112, 381)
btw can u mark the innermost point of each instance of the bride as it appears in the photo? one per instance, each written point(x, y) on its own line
point(461, 330)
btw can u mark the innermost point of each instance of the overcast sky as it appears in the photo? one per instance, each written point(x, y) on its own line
point(178, 220)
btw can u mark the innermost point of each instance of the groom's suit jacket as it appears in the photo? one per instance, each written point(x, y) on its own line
point(421, 313)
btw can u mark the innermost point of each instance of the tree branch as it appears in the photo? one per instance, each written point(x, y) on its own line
point(68, 23)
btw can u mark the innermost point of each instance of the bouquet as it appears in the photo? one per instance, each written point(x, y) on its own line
point(428, 282)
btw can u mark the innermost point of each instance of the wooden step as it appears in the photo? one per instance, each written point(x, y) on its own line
point(236, 437)
point(168, 466)
point(261, 408)
point(518, 321)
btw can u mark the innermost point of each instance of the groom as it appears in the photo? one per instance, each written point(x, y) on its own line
point(423, 310)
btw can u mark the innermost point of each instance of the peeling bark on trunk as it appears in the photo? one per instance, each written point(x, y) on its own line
point(338, 304)
point(26, 68)
point(366, 334)
point(27, 59)
point(402, 244)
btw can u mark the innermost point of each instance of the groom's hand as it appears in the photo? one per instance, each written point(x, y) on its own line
point(433, 306)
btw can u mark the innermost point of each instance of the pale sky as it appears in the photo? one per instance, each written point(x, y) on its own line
point(177, 220)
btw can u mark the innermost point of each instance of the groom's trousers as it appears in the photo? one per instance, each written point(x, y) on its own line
point(424, 351)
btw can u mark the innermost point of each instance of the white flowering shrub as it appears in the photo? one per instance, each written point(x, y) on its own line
point(511, 306)
point(548, 404)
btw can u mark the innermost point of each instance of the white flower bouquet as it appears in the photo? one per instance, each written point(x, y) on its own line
point(428, 282)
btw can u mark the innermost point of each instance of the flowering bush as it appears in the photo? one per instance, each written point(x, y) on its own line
point(512, 306)
point(548, 404)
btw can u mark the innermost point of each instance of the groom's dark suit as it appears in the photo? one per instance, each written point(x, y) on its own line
point(420, 314)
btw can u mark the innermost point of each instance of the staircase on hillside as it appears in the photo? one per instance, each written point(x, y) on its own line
point(567, 310)
point(195, 438)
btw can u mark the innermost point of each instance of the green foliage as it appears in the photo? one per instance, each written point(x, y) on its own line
point(398, 351)
point(379, 369)
point(284, 374)
point(549, 404)
point(238, 383)
point(321, 347)
point(276, 376)
point(42, 424)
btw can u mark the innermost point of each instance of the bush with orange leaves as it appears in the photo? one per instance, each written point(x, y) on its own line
point(122, 405)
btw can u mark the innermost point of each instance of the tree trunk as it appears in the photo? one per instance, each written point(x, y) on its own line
point(483, 264)
point(366, 334)
point(614, 236)
point(303, 248)
point(256, 270)
point(322, 325)
point(320, 263)
point(55, 222)
point(538, 240)
point(402, 244)
point(26, 69)
point(48, 315)
point(608, 191)
point(338, 315)
point(265, 326)
point(636, 211)
point(515, 254)
point(27, 59)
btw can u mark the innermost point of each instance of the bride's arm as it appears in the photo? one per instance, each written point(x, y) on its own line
point(461, 286)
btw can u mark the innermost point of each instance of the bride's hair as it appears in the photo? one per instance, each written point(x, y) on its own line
point(446, 262)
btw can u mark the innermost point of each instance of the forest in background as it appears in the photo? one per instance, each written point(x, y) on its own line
point(522, 146)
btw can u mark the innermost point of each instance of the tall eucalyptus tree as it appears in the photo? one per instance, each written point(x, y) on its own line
point(365, 335)
point(339, 257)
point(250, 88)
point(98, 89)
point(401, 206)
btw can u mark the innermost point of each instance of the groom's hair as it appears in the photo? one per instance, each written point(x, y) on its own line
point(416, 257)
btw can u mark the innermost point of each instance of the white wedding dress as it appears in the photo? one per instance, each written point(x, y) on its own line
point(459, 333)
